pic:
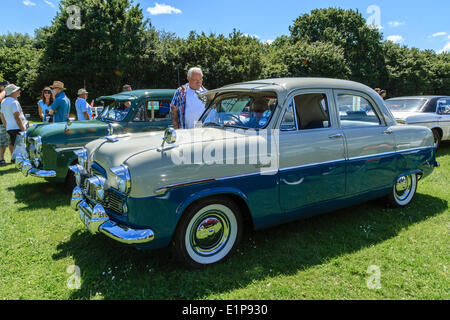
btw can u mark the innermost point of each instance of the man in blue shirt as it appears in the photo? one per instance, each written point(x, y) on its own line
point(61, 105)
point(84, 111)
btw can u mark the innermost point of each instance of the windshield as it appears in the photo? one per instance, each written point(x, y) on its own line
point(405, 105)
point(115, 110)
point(241, 111)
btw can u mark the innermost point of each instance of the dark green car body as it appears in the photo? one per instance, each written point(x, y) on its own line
point(146, 110)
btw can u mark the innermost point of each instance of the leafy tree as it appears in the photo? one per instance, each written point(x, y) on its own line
point(18, 60)
point(347, 29)
point(110, 49)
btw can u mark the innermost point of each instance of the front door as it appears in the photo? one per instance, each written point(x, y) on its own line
point(312, 153)
point(151, 115)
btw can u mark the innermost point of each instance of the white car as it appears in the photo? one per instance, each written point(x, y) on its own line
point(429, 111)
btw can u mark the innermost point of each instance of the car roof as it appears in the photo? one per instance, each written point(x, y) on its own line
point(289, 84)
point(418, 97)
point(138, 94)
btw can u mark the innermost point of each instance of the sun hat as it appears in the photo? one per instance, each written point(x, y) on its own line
point(82, 91)
point(11, 88)
point(58, 84)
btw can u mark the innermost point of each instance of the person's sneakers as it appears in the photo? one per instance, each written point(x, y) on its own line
point(3, 163)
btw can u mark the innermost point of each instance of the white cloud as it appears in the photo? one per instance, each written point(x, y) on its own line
point(395, 23)
point(438, 34)
point(445, 49)
point(28, 3)
point(268, 41)
point(162, 9)
point(51, 4)
point(395, 38)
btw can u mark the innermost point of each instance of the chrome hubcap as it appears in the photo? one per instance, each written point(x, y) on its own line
point(403, 187)
point(209, 233)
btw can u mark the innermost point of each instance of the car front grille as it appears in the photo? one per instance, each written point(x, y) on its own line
point(114, 203)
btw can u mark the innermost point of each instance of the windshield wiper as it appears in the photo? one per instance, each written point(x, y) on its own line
point(212, 124)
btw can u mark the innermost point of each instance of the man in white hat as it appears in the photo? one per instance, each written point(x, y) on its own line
point(84, 110)
point(4, 139)
point(13, 114)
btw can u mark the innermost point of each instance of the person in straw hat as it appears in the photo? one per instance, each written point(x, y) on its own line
point(61, 105)
point(84, 110)
point(12, 114)
point(4, 139)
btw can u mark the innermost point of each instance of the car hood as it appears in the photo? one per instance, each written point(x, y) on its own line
point(61, 132)
point(111, 154)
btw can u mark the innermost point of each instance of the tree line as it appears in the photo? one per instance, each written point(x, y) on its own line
point(117, 45)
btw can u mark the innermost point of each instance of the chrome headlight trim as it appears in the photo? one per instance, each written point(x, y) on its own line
point(82, 158)
point(122, 178)
point(99, 185)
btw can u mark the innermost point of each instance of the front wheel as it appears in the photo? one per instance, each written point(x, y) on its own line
point(208, 232)
point(403, 191)
point(437, 139)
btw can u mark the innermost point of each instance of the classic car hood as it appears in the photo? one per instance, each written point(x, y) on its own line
point(112, 154)
point(56, 132)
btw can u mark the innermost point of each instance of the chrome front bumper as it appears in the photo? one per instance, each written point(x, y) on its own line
point(97, 221)
point(24, 164)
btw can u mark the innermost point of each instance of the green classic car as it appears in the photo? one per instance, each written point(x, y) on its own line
point(50, 147)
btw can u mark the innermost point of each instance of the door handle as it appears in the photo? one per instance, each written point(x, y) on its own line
point(292, 183)
point(336, 136)
point(388, 131)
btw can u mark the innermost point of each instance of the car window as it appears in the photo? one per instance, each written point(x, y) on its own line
point(312, 111)
point(241, 111)
point(405, 105)
point(443, 106)
point(288, 122)
point(153, 110)
point(115, 111)
point(356, 111)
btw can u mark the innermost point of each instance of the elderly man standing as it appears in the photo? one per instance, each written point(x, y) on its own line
point(12, 114)
point(186, 105)
point(84, 111)
point(61, 105)
point(4, 140)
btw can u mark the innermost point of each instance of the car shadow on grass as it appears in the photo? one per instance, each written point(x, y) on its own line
point(42, 195)
point(116, 271)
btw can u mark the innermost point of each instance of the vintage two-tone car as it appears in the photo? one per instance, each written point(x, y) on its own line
point(50, 147)
point(430, 111)
point(264, 152)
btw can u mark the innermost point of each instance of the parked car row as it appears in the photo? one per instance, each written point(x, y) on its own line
point(319, 145)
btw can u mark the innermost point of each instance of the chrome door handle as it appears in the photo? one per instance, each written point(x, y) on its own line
point(292, 183)
point(336, 136)
point(388, 131)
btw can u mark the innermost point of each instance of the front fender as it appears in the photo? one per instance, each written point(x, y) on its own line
point(208, 193)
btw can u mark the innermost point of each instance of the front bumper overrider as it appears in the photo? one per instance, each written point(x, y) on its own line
point(24, 164)
point(96, 219)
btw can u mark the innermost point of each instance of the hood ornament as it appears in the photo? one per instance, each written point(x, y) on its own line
point(170, 137)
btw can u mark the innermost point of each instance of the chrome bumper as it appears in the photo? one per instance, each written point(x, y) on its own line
point(97, 221)
point(24, 165)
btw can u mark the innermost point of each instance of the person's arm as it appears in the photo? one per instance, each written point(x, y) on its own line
point(41, 114)
point(3, 119)
point(86, 115)
point(19, 121)
point(53, 108)
point(174, 105)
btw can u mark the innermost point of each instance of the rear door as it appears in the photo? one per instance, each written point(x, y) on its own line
point(370, 142)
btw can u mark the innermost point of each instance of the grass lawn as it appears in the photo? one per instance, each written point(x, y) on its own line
point(332, 256)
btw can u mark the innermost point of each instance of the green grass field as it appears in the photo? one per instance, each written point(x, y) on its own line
point(333, 256)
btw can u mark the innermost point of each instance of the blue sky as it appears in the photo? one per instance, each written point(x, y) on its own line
point(421, 24)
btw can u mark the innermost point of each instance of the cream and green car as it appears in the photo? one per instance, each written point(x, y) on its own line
point(264, 153)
